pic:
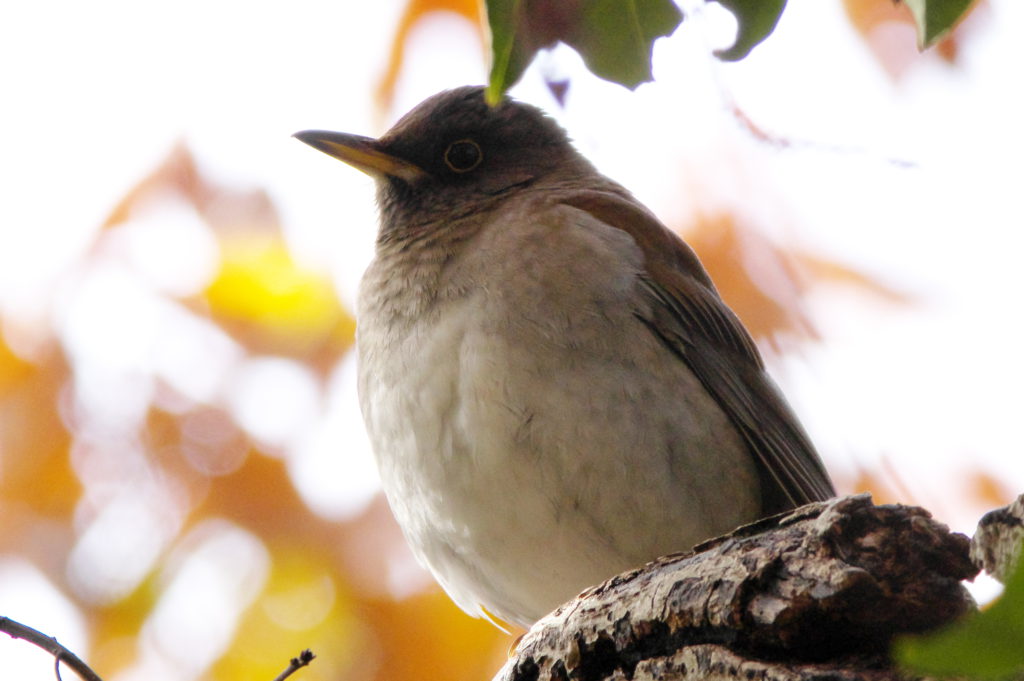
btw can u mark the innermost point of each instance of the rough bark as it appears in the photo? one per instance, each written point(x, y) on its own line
point(996, 545)
point(818, 593)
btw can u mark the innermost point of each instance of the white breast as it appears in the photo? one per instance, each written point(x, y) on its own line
point(533, 437)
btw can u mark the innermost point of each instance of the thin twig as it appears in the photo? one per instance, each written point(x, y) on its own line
point(62, 654)
point(50, 645)
point(296, 663)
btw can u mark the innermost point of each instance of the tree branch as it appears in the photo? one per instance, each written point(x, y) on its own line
point(816, 594)
point(997, 542)
point(296, 663)
point(50, 645)
point(62, 654)
point(813, 594)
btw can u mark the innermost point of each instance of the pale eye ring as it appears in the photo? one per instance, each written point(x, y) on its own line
point(463, 155)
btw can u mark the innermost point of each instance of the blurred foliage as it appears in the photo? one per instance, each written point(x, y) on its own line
point(769, 289)
point(988, 645)
point(260, 295)
point(37, 479)
point(518, 29)
point(411, 15)
point(888, 27)
point(124, 508)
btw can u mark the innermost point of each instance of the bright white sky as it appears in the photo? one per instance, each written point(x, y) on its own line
point(96, 93)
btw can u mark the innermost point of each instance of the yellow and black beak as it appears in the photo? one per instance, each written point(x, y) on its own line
point(363, 153)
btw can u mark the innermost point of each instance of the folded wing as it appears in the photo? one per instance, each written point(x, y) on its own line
point(688, 316)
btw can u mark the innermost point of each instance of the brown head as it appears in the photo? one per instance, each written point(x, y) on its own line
point(455, 155)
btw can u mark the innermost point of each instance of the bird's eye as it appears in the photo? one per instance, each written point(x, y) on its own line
point(463, 155)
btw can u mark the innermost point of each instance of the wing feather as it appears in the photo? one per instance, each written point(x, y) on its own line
point(689, 317)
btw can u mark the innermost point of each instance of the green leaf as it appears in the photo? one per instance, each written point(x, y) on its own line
point(935, 18)
point(615, 38)
point(509, 57)
point(988, 646)
point(756, 19)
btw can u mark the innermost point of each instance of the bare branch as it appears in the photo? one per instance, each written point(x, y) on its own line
point(50, 645)
point(296, 663)
point(816, 594)
point(997, 542)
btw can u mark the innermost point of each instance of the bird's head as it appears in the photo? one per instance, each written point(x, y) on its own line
point(454, 155)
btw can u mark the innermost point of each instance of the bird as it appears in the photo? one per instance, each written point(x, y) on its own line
point(553, 389)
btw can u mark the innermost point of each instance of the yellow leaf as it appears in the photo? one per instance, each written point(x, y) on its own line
point(272, 304)
point(303, 606)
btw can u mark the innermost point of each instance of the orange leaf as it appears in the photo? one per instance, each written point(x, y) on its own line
point(228, 210)
point(33, 440)
point(888, 29)
point(414, 11)
point(427, 637)
point(821, 270)
point(988, 491)
point(764, 291)
point(765, 284)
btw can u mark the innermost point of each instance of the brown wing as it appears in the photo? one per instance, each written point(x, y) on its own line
point(693, 323)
